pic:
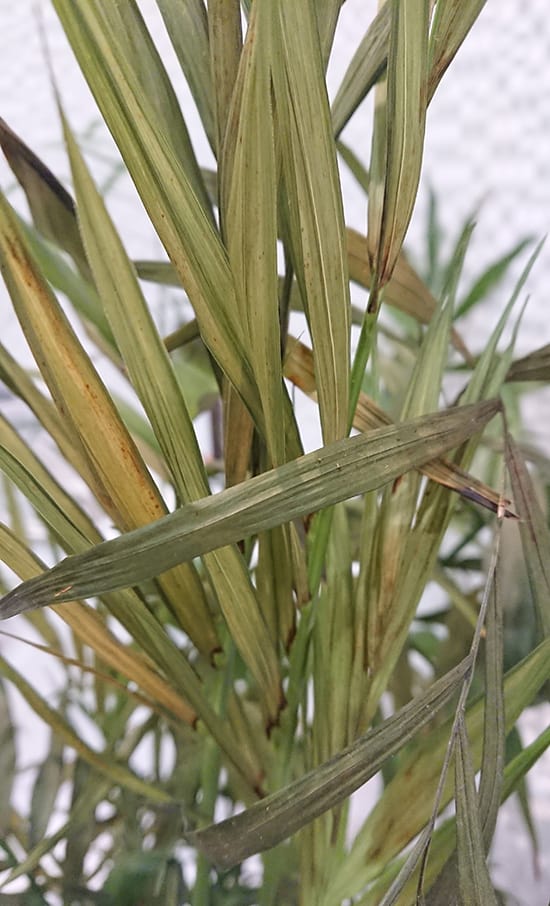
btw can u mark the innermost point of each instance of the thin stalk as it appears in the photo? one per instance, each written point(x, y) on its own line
point(209, 780)
point(323, 520)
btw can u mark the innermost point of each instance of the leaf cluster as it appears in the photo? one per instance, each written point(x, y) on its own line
point(265, 641)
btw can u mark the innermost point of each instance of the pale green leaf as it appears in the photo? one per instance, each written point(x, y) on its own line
point(225, 35)
point(249, 215)
point(186, 231)
point(127, 28)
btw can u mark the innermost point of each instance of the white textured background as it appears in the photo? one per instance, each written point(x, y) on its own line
point(487, 149)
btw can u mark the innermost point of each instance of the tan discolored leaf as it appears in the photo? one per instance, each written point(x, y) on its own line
point(119, 476)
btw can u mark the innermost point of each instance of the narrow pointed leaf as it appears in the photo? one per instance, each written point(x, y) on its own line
point(400, 814)
point(453, 20)
point(282, 814)
point(134, 615)
point(490, 279)
point(394, 186)
point(22, 386)
point(187, 26)
point(119, 476)
point(249, 213)
point(337, 472)
point(315, 214)
point(367, 65)
point(51, 206)
point(443, 842)
point(104, 763)
point(475, 884)
point(369, 416)
point(534, 532)
point(187, 233)
point(152, 374)
point(225, 41)
point(127, 27)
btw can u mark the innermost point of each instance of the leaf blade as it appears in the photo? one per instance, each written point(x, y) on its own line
point(335, 473)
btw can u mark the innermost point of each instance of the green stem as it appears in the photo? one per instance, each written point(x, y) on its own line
point(209, 780)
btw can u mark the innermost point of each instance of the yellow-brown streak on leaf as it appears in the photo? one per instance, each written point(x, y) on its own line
point(369, 416)
point(119, 478)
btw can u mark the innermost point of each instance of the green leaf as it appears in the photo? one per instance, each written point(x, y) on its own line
point(187, 27)
point(113, 465)
point(337, 472)
point(156, 384)
point(453, 20)
point(316, 233)
point(398, 138)
point(400, 814)
point(475, 884)
point(193, 244)
point(7, 761)
point(104, 763)
point(443, 842)
point(126, 27)
point(283, 813)
point(366, 67)
point(490, 279)
point(534, 532)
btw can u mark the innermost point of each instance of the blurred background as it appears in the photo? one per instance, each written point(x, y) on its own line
point(487, 154)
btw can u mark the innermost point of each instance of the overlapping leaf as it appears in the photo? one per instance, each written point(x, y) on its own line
point(337, 472)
